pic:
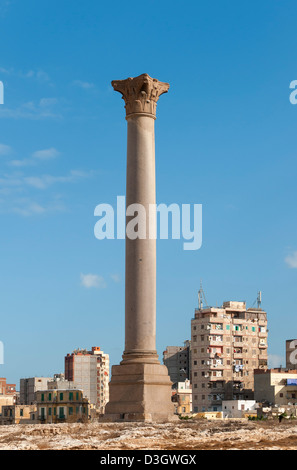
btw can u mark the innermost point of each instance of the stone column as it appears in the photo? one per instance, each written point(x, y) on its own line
point(140, 388)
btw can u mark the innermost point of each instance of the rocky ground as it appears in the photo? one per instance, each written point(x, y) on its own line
point(183, 435)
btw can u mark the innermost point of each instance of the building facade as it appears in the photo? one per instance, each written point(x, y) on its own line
point(7, 389)
point(17, 414)
point(29, 387)
point(238, 408)
point(276, 386)
point(89, 371)
point(227, 344)
point(182, 397)
point(59, 406)
point(177, 361)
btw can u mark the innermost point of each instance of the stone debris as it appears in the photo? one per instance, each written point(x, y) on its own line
point(190, 435)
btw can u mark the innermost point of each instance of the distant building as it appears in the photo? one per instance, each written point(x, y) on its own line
point(182, 397)
point(227, 344)
point(89, 371)
point(17, 414)
point(28, 388)
point(291, 354)
point(177, 361)
point(6, 400)
point(7, 389)
point(60, 383)
point(59, 406)
point(276, 386)
point(238, 408)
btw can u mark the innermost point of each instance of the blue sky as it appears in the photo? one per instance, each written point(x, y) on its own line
point(225, 138)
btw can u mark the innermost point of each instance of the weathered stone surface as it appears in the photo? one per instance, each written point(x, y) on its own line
point(140, 388)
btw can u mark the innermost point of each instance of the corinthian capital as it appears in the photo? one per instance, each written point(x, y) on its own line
point(140, 93)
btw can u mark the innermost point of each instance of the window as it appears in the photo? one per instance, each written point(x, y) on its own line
point(70, 396)
point(50, 412)
point(21, 412)
point(49, 397)
point(61, 396)
point(42, 397)
point(227, 327)
point(70, 411)
point(76, 396)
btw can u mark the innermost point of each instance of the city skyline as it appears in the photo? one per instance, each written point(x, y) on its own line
point(225, 139)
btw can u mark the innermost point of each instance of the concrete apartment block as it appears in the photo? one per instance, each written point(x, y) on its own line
point(276, 386)
point(29, 387)
point(227, 344)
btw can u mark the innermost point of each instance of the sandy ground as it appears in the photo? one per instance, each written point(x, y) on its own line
point(189, 435)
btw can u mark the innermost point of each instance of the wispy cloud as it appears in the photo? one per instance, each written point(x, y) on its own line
point(47, 154)
point(5, 149)
point(15, 185)
point(29, 111)
point(291, 260)
point(38, 156)
point(92, 281)
point(275, 361)
point(82, 84)
point(116, 278)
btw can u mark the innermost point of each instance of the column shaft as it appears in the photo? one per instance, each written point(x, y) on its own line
point(140, 302)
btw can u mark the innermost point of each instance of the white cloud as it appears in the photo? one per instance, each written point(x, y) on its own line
point(275, 361)
point(5, 149)
point(115, 278)
point(291, 260)
point(84, 85)
point(46, 154)
point(92, 280)
point(45, 181)
point(21, 163)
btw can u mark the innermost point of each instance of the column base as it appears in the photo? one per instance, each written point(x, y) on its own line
point(140, 392)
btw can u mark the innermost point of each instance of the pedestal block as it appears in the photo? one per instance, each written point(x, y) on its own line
point(140, 392)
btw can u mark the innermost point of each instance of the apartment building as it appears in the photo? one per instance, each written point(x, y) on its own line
point(276, 386)
point(29, 387)
point(227, 344)
point(177, 361)
point(89, 371)
point(7, 389)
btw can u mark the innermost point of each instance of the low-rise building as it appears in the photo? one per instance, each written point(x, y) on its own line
point(238, 408)
point(58, 406)
point(7, 389)
point(276, 386)
point(182, 397)
point(17, 414)
point(6, 400)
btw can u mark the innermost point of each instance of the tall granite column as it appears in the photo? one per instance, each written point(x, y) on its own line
point(140, 388)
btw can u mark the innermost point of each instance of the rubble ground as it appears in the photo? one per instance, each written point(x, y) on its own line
point(181, 435)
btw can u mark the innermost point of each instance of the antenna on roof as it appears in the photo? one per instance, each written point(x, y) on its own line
point(259, 299)
point(201, 296)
